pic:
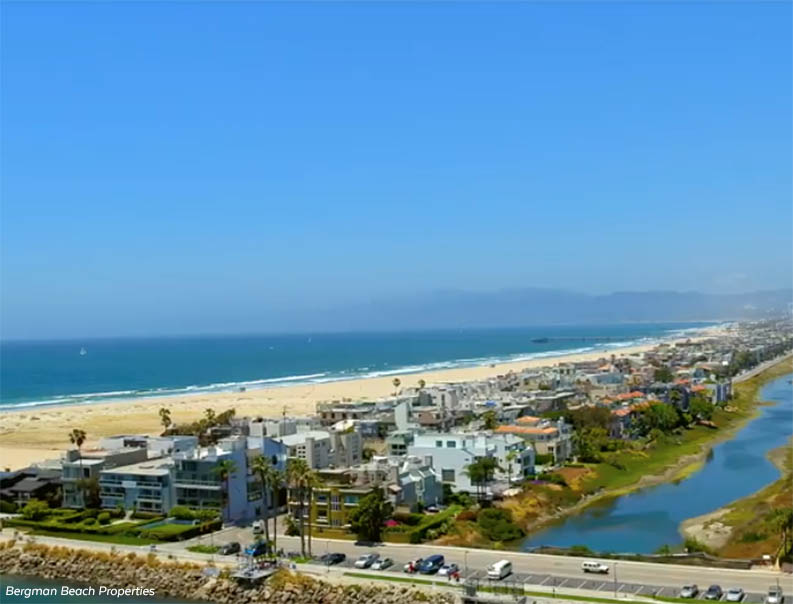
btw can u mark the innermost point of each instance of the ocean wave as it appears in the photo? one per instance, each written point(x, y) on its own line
point(364, 372)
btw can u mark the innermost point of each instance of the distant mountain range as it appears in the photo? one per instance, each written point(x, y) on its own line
point(532, 306)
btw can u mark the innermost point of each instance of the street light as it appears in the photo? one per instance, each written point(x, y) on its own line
point(465, 555)
point(615, 579)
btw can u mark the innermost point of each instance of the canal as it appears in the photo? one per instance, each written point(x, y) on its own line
point(643, 521)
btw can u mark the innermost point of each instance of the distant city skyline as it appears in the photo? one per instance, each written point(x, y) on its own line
point(214, 167)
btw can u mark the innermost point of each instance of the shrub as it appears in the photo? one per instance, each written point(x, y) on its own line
point(496, 524)
point(467, 516)
point(409, 519)
point(542, 459)
point(89, 521)
point(35, 510)
point(118, 511)
point(104, 518)
point(8, 507)
point(553, 478)
point(139, 515)
point(181, 512)
point(580, 550)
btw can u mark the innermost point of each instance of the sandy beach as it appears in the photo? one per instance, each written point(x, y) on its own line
point(33, 435)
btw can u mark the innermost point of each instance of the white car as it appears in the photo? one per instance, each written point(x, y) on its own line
point(590, 566)
point(734, 594)
point(448, 569)
point(366, 560)
point(382, 563)
point(774, 595)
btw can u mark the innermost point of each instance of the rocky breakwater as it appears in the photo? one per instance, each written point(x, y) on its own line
point(188, 581)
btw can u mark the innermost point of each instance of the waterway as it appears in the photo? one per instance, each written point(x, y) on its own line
point(643, 521)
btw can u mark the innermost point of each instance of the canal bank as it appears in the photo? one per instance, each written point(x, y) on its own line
point(645, 516)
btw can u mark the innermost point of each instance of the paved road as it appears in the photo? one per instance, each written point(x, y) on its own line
point(542, 566)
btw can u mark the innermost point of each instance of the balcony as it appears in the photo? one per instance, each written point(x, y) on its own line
point(197, 484)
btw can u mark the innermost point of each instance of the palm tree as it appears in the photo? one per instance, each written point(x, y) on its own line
point(224, 471)
point(396, 382)
point(210, 416)
point(165, 418)
point(77, 437)
point(781, 520)
point(261, 465)
point(481, 472)
point(277, 481)
point(297, 471)
point(511, 456)
point(490, 420)
point(422, 383)
point(313, 481)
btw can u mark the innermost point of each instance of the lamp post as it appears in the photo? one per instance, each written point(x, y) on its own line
point(615, 579)
point(465, 556)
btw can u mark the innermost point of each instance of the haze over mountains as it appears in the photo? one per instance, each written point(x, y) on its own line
point(535, 306)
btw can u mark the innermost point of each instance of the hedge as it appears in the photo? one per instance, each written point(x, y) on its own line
point(418, 534)
point(8, 507)
point(179, 532)
point(56, 526)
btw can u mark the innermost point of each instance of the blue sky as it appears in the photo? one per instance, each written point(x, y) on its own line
point(168, 165)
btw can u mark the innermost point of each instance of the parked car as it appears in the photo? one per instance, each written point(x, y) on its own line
point(413, 565)
point(257, 549)
point(590, 566)
point(230, 548)
point(448, 569)
point(258, 527)
point(713, 593)
point(431, 564)
point(689, 591)
point(333, 558)
point(499, 570)
point(366, 560)
point(382, 564)
point(774, 595)
point(734, 594)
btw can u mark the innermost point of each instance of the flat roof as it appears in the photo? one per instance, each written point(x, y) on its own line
point(151, 467)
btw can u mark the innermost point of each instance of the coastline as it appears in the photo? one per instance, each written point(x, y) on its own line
point(685, 465)
point(32, 435)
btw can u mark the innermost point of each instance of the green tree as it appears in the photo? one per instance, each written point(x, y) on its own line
point(312, 481)
point(35, 509)
point(481, 473)
point(297, 475)
point(165, 418)
point(263, 468)
point(700, 407)
point(368, 518)
point(77, 437)
point(396, 382)
point(658, 416)
point(224, 470)
point(589, 442)
point(511, 456)
point(663, 374)
point(422, 384)
point(90, 490)
point(589, 417)
point(210, 416)
point(490, 420)
point(781, 520)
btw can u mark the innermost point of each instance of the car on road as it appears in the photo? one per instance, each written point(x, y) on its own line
point(333, 558)
point(734, 594)
point(431, 565)
point(714, 593)
point(382, 564)
point(689, 591)
point(366, 560)
point(257, 549)
point(448, 569)
point(230, 548)
point(413, 565)
point(774, 595)
point(499, 570)
point(591, 566)
point(258, 527)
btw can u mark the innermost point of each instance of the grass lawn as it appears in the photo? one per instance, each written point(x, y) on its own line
point(203, 549)
point(117, 539)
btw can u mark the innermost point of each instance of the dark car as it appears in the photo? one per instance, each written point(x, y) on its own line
point(431, 564)
point(714, 593)
point(334, 558)
point(257, 549)
point(230, 548)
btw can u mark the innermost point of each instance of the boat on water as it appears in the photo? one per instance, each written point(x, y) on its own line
point(83, 352)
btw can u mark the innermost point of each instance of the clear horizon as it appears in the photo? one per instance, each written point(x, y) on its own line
point(178, 168)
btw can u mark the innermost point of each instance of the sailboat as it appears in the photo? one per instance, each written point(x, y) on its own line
point(83, 352)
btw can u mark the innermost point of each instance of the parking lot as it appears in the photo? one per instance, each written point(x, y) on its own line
point(605, 584)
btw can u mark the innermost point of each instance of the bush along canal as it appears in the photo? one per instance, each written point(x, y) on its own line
point(646, 520)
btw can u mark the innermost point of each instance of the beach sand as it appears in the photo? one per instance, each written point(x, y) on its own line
point(36, 434)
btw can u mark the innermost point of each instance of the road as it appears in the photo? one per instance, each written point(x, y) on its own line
point(547, 568)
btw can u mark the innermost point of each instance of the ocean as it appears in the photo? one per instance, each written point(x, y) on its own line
point(36, 373)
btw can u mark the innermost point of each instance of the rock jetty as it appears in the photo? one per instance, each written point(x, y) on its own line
point(189, 581)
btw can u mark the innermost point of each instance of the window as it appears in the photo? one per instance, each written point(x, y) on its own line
point(451, 444)
point(447, 475)
point(351, 499)
point(439, 443)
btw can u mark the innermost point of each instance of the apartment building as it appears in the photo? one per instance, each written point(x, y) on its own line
point(147, 486)
point(78, 466)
